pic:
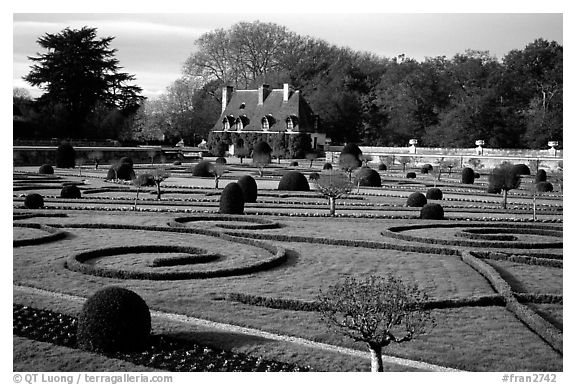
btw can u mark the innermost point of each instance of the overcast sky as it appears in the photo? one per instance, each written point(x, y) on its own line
point(154, 46)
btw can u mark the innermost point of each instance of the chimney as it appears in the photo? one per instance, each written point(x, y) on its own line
point(263, 92)
point(226, 93)
point(286, 92)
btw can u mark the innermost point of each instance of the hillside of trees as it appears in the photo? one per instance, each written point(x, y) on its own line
point(514, 102)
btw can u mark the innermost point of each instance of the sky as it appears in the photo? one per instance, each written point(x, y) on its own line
point(153, 46)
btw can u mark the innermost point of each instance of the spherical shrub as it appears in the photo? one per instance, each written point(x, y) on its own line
point(249, 188)
point(434, 193)
point(33, 201)
point(428, 166)
point(262, 148)
point(293, 181)
point(220, 160)
point(521, 169)
point(65, 156)
point(121, 171)
point(232, 199)
point(467, 175)
point(369, 177)
point(431, 211)
point(114, 319)
point(327, 166)
point(314, 176)
point(126, 160)
point(411, 175)
point(46, 169)
point(476, 175)
point(70, 192)
point(203, 169)
point(541, 176)
point(416, 199)
point(544, 187)
point(424, 170)
point(293, 164)
point(382, 167)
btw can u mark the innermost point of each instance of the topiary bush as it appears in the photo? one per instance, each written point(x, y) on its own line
point(293, 181)
point(314, 176)
point(65, 156)
point(327, 166)
point(70, 192)
point(123, 171)
point(434, 193)
point(431, 211)
point(382, 167)
point(424, 170)
point(467, 175)
point(220, 160)
point(202, 169)
point(114, 319)
point(521, 169)
point(249, 188)
point(428, 167)
point(416, 199)
point(353, 149)
point(294, 164)
point(126, 160)
point(262, 148)
point(232, 199)
point(544, 187)
point(540, 176)
point(368, 177)
point(476, 175)
point(46, 169)
point(411, 175)
point(34, 201)
point(493, 190)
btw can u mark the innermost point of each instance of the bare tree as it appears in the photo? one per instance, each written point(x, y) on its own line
point(377, 311)
point(348, 163)
point(140, 181)
point(404, 160)
point(217, 170)
point(261, 160)
point(504, 178)
point(158, 176)
point(333, 185)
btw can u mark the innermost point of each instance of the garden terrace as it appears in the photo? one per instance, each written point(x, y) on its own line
point(494, 276)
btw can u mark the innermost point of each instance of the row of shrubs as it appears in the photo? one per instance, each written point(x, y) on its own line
point(540, 326)
point(53, 235)
point(524, 259)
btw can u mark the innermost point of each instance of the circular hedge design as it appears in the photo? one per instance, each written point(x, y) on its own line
point(232, 222)
point(81, 262)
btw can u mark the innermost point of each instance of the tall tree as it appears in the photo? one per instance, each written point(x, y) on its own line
point(77, 72)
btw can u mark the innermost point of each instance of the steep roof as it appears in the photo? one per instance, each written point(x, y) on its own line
point(244, 104)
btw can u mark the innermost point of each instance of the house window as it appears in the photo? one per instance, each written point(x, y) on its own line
point(239, 124)
point(289, 124)
point(265, 124)
point(226, 124)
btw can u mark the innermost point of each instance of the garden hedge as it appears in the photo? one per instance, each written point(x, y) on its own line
point(368, 177)
point(434, 193)
point(432, 211)
point(521, 169)
point(416, 199)
point(540, 176)
point(410, 175)
point(467, 176)
point(70, 192)
point(34, 201)
point(46, 169)
point(293, 181)
point(232, 199)
point(65, 156)
point(249, 188)
point(54, 234)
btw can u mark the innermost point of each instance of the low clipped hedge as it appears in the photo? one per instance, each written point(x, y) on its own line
point(253, 223)
point(46, 169)
point(410, 175)
point(544, 187)
point(114, 319)
point(368, 177)
point(185, 259)
point(432, 211)
point(434, 193)
point(293, 181)
point(416, 199)
point(54, 234)
point(524, 259)
point(34, 201)
point(70, 192)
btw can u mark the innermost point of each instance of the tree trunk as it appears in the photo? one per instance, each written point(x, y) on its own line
point(159, 193)
point(504, 199)
point(216, 180)
point(136, 200)
point(332, 203)
point(376, 358)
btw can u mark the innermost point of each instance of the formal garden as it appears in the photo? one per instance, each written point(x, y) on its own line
point(224, 264)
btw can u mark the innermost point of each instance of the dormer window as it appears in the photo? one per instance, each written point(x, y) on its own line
point(227, 122)
point(291, 122)
point(267, 122)
point(241, 122)
point(242, 106)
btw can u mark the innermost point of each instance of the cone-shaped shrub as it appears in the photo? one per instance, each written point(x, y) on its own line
point(70, 192)
point(33, 201)
point(249, 188)
point(293, 181)
point(203, 169)
point(521, 169)
point(65, 156)
point(411, 175)
point(126, 160)
point(434, 193)
point(369, 177)
point(467, 175)
point(544, 187)
point(432, 211)
point(382, 167)
point(121, 171)
point(232, 199)
point(541, 176)
point(327, 166)
point(114, 319)
point(46, 169)
point(416, 199)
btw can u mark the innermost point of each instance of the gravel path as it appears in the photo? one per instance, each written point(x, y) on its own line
point(252, 332)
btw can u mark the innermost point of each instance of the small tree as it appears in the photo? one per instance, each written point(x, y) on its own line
point(140, 181)
point(333, 185)
point(159, 175)
point(241, 152)
point(261, 156)
point(217, 169)
point(95, 156)
point(377, 311)
point(404, 160)
point(504, 178)
point(365, 159)
point(311, 156)
point(348, 163)
point(152, 155)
